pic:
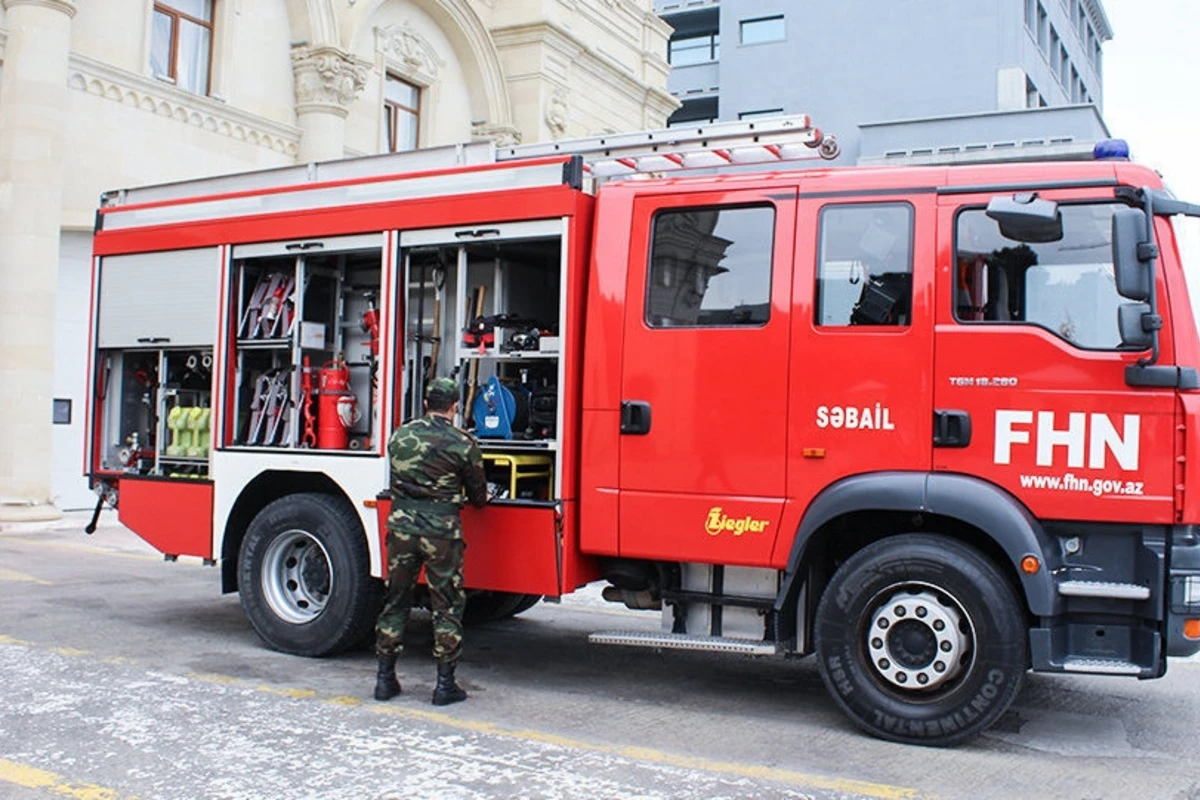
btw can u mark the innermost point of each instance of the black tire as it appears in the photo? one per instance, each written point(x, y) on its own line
point(483, 607)
point(920, 639)
point(304, 576)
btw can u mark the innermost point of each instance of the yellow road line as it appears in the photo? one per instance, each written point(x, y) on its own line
point(647, 755)
point(33, 778)
point(87, 548)
point(21, 577)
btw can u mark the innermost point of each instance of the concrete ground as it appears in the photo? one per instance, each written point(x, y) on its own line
point(122, 676)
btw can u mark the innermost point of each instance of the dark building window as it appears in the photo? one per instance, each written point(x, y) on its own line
point(701, 110)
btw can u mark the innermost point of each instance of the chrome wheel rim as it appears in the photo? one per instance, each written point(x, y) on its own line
point(919, 638)
point(296, 576)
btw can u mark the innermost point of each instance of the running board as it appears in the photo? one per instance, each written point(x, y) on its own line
point(1104, 589)
point(680, 641)
point(1101, 666)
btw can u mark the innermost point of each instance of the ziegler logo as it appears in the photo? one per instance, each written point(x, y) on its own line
point(717, 522)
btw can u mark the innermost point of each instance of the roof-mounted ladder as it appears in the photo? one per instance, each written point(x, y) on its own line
point(721, 144)
point(421, 173)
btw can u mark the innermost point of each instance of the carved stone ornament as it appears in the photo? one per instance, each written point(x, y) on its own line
point(556, 113)
point(64, 6)
point(502, 135)
point(406, 48)
point(327, 79)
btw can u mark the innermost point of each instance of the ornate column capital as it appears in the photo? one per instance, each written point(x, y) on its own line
point(328, 80)
point(64, 6)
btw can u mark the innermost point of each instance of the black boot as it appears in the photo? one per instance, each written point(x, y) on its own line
point(447, 690)
point(386, 685)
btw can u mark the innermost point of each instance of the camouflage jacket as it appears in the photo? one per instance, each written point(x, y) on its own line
point(431, 463)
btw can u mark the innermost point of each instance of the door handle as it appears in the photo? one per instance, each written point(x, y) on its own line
point(635, 417)
point(951, 428)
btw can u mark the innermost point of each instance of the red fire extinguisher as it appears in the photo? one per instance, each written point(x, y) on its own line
point(337, 407)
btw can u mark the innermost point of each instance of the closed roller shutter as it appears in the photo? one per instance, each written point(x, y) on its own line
point(161, 299)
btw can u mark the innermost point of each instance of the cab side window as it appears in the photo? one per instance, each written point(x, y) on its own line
point(1064, 286)
point(864, 265)
point(711, 267)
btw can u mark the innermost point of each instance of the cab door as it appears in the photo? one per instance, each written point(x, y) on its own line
point(704, 384)
point(1028, 353)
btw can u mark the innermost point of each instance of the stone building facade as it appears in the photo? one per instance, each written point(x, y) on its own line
point(101, 95)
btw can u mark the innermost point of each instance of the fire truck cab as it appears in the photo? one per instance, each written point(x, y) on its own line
point(930, 424)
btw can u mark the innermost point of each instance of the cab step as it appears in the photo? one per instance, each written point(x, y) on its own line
point(1105, 589)
point(681, 641)
point(1101, 666)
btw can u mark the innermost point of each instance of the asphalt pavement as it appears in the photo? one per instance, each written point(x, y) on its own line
point(122, 676)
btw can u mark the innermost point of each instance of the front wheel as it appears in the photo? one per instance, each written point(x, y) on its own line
point(920, 639)
point(304, 576)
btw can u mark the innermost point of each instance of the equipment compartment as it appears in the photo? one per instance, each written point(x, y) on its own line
point(307, 345)
point(485, 307)
point(155, 412)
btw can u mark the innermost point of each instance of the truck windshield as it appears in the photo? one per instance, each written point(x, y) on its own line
point(1187, 236)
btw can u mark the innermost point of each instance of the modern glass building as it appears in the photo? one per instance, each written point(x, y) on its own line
point(899, 81)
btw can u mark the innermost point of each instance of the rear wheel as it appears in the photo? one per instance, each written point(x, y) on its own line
point(921, 639)
point(494, 606)
point(304, 576)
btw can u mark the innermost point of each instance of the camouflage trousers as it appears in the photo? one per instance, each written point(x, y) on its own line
point(443, 560)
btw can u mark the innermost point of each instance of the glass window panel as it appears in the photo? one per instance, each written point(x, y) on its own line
point(711, 267)
point(199, 9)
point(192, 70)
point(1066, 287)
point(406, 131)
point(160, 45)
point(693, 50)
point(864, 273)
point(767, 29)
point(401, 92)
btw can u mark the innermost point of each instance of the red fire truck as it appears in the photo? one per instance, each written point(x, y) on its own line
point(931, 424)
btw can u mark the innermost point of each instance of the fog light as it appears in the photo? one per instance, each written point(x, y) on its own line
point(1191, 628)
point(1191, 590)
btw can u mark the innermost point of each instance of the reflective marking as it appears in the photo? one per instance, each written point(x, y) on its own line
point(33, 778)
point(21, 577)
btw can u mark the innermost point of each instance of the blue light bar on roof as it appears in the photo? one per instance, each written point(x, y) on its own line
point(1111, 149)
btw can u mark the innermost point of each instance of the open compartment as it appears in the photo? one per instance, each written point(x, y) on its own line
point(486, 307)
point(307, 345)
point(155, 411)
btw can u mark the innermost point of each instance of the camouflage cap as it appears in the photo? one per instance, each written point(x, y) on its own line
point(442, 386)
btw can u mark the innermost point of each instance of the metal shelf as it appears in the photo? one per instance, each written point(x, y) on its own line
point(511, 355)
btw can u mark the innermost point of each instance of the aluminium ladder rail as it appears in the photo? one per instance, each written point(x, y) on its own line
point(438, 171)
point(721, 144)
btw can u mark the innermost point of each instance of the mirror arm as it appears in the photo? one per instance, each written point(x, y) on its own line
point(1148, 251)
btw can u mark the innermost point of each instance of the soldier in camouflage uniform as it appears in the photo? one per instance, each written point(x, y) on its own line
point(431, 463)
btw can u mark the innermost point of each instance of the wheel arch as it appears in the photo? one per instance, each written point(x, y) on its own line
point(862, 509)
point(265, 488)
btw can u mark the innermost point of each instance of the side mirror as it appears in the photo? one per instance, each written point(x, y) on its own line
point(1130, 270)
point(1025, 218)
point(1133, 320)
